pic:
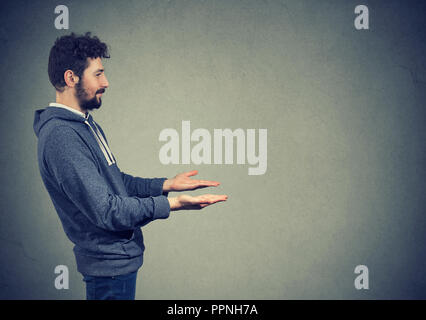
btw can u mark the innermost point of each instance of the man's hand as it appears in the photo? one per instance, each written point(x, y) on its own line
point(183, 182)
point(185, 202)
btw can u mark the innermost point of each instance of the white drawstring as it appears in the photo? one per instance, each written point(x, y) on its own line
point(104, 151)
point(104, 142)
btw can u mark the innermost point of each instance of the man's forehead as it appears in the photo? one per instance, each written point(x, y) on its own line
point(95, 64)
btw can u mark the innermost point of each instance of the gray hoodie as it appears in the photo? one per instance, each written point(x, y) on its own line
point(101, 208)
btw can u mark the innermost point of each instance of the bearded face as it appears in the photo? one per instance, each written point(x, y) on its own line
point(85, 99)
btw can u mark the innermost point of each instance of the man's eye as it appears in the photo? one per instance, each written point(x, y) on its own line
point(98, 74)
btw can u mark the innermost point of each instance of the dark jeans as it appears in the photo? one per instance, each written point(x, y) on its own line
point(122, 287)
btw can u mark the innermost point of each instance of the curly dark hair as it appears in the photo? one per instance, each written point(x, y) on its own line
point(70, 52)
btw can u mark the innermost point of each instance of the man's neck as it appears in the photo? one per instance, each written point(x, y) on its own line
point(69, 100)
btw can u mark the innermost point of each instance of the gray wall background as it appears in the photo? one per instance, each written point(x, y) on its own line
point(344, 110)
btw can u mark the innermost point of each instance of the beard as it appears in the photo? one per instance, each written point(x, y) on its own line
point(85, 102)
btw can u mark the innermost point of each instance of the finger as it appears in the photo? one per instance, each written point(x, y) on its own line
point(198, 184)
point(217, 200)
point(212, 198)
point(203, 205)
point(197, 187)
point(217, 196)
point(210, 195)
point(207, 183)
point(202, 201)
point(199, 200)
point(191, 173)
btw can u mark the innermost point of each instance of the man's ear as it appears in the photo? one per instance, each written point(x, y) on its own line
point(71, 79)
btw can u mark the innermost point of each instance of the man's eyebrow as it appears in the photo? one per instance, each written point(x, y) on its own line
point(99, 70)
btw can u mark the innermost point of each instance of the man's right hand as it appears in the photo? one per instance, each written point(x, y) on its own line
point(185, 202)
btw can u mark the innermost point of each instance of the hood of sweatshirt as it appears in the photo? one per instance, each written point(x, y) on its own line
point(43, 116)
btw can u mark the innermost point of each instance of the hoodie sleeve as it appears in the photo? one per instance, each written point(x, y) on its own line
point(73, 166)
point(143, 187)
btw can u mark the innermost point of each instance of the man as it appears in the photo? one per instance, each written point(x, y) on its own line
point(100, 207)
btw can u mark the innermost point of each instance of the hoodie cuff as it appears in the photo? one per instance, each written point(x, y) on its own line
point(161, 207)
point(157, 186)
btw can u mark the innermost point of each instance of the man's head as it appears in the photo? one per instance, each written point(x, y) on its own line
point(75, 68)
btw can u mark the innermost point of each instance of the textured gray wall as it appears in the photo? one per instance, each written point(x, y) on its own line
point(344, 110)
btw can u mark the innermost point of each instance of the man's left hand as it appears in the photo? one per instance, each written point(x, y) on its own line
point(183, 182)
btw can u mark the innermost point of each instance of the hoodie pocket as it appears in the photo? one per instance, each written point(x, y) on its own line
point(113, 248)
point(134, 246)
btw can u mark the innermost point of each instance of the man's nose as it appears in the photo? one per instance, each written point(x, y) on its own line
point(105, 83)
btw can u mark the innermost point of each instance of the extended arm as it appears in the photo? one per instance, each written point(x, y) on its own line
point(143, 187)
point(71, 163)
